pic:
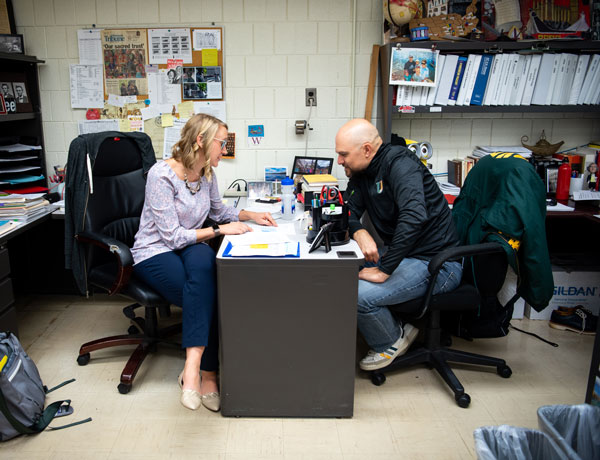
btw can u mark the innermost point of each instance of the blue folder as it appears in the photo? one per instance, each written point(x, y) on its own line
point(227, 253)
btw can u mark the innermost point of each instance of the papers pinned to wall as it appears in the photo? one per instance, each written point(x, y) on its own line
point(90, 46)
point(86, 86)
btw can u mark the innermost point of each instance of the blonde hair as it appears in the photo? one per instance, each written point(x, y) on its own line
point(187, 151)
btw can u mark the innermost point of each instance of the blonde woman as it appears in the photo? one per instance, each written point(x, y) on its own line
point(169, 254)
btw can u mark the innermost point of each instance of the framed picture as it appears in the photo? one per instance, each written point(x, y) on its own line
point(2, 105)
point(275, 173)
point(8, 96)
point(11, 44)
point(413, 67)
point(15, 92)
point(312, 165)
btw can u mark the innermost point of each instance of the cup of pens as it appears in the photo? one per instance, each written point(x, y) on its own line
point(58, 181)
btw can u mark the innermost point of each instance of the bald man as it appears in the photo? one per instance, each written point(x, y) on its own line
point(411, 215)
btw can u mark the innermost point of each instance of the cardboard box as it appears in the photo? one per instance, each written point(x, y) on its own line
point(571, 289)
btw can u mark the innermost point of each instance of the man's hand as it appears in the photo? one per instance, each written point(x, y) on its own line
point(367, 245)
point(372, 274)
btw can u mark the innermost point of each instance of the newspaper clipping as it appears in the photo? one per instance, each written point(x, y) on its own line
point(124, 61)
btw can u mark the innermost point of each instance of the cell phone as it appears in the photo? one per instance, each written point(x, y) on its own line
point(346, 254)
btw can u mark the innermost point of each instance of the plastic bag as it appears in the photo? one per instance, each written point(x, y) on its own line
point(576, 429)
point(513, 443)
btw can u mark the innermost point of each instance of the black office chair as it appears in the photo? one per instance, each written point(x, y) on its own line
point(112, 218)
point(483, 275)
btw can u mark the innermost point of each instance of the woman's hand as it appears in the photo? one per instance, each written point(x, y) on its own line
point(234, 228)
point(261, 218)
point(264, 218)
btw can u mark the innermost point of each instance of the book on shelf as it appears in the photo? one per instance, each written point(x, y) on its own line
point(482, 79)
point(518, 87)
point(462, 91)
point(472, 79)
point(439, 71)
point(553, 78)
point(508, 88)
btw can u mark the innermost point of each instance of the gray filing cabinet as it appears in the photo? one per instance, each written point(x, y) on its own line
point(8, 314)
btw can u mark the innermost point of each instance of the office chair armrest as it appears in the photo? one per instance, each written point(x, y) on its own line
point(457, 253)
point(452, 254)
point(116, 247)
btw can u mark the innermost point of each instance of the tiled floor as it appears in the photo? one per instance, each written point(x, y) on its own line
point(411, 416)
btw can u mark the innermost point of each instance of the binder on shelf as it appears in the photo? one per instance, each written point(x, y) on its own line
point(439, 71)
point(457, 80)
point(445, 82)
point(589, 76)
point(568, 77)
point(553, 78)
point(556, 95)
point(582, 65)
point(492, 86)
point(594, 90)
point(532, 75)
point(482, 79)
point(542, 83)
point(425, 95)
point(472, 79)
point(518, 88)
point(462, 92)
point(508, 89)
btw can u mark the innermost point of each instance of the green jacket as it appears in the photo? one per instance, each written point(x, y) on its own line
point(503, 199)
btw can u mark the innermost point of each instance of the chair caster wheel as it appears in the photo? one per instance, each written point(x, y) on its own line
point(133, 330)
point(82, 360)
point(123, 388)
point(504, 371)
point(377, 378)
point(463, 400)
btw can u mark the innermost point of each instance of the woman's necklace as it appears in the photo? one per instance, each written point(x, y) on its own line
point(193, 190)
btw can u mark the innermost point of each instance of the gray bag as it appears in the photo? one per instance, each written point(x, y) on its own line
point(22, 393)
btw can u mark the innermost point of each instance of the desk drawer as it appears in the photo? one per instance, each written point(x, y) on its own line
point(4, 263)
point(6, 294)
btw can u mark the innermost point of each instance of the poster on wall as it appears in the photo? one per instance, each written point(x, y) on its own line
point(207, 39)
point(124, 53)
point(169, 44)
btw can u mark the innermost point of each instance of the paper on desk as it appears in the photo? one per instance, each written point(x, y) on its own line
point(559, 207)
point(586, 195)
point(262, 243)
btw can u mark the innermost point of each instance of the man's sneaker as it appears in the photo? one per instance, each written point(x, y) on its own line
point(576, 319)
point(376, 360)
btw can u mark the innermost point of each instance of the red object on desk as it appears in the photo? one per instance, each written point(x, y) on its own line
point(449, 198)
point(25, 190)
point(564, 180)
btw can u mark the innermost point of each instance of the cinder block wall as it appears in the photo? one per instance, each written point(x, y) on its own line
point(273, 49)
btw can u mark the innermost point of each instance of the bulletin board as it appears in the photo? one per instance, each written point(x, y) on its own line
point(125, 74)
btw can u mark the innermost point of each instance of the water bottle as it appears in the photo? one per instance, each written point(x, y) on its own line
point(287, 200)
point(563, 181)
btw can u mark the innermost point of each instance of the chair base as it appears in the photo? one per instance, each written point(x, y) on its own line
point(146, 342)
point(438, 358)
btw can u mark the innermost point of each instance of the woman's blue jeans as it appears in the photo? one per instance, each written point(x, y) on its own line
point(187, 278)
point(409, 281)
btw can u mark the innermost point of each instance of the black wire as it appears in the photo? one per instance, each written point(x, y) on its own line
point(238, 185)
point(535, 335)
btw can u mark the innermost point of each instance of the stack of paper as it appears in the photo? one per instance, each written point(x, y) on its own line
point(22, 207)
point(481, 151)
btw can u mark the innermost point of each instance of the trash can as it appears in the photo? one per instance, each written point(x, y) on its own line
point(576, 429)
point(507, 442)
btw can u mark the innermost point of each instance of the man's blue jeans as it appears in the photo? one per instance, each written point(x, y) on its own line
point(409, 281)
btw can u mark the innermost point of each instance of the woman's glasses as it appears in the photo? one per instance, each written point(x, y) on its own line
point(223, 142)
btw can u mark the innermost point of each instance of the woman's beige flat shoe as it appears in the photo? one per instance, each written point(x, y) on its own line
point(190, 399)
point(212, 401)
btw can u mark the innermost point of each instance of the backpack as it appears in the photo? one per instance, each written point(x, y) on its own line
point(23, 395)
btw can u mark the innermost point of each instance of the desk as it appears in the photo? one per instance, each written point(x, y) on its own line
point(8, 315)
point(288, 333)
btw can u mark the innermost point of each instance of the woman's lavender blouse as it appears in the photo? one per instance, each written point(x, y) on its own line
point(172, 214)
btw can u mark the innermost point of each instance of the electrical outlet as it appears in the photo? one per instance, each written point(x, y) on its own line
point(311, 93)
